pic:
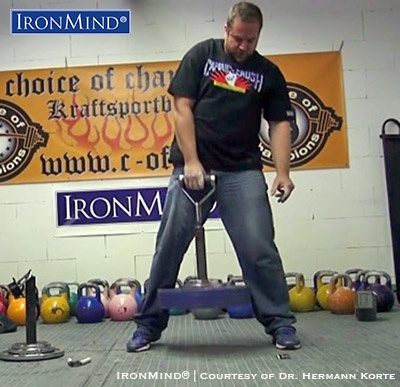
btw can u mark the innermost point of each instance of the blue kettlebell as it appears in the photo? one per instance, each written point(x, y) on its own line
point(239, 311)
point(138, 293)
point(89, 308)
point(356, 277)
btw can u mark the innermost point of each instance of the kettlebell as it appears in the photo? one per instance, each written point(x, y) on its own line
point(355, 275)
point(3, 309)
point(177, 311)
point(383, 291)
point(301, 298)
point(16, 310)
point(54, 306)
point(323, 288)
point(239, 311)
point(72, 297)
point(290, 284)
point(341, 299)
point(89, 308)
point(104, 287)
point(138, 293)
point(204, 313)
point(122, 305)
point(4, 293)
point(358, 278)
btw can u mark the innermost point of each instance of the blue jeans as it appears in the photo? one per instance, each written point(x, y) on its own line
point(246, 214)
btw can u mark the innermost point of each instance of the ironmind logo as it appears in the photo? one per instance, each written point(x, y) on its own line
point(112, 206)
point(41, 21)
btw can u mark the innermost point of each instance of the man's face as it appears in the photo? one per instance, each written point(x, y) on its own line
point(241, 39)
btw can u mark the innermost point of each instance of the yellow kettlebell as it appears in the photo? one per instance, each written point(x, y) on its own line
point(54, 308)
point(290, 284)
point(302, 298)
point(323, 289)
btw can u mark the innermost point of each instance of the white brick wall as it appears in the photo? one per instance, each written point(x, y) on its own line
point(336, 219)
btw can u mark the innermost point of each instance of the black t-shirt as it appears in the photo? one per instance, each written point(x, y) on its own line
point(230, 99)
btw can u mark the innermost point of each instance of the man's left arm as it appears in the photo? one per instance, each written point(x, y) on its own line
point(280, 142)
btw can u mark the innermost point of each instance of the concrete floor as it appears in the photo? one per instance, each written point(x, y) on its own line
point(214, 353)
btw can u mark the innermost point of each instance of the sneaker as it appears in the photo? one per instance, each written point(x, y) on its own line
point(141, 341)
point(285, 338)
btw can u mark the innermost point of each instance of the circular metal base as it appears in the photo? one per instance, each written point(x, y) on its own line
point(42, 350)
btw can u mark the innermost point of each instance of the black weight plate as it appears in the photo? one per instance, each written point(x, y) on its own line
point(203, 297)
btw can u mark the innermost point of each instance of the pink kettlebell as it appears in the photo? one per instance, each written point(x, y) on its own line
point(104, 287)
point(122, 305)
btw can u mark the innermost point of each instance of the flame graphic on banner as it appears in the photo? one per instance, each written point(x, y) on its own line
point(114, 134)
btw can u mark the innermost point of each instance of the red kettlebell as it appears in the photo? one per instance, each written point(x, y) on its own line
point(105, 293)
point(342, 297)
point(89, 308)
point(3, 309)
point(122, 305)
point(4, 293)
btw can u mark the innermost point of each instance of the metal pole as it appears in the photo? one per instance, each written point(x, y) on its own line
point(31, 311)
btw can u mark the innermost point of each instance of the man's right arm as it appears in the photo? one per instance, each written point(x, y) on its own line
point(186, 139)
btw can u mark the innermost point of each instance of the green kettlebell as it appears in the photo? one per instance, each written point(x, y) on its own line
point(177, 311)
point(73, 297)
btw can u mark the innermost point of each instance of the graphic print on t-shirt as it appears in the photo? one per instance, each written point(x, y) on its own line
point(226, 76)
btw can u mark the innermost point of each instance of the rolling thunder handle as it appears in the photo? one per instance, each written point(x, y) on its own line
point(201, 260)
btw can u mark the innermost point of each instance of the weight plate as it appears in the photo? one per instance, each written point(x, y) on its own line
point(203, 297)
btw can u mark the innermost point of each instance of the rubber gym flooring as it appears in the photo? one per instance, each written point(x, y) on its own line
point(214, 353)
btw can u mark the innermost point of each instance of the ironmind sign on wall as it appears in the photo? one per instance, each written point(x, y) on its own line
point(115, 121)
point(116, 206)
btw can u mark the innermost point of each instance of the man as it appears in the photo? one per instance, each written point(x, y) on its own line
point(221, 90)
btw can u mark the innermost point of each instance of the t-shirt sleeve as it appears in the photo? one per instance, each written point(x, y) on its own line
point(276, 102)
point(186, 81)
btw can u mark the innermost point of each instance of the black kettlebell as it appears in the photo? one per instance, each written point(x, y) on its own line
point(204, 313)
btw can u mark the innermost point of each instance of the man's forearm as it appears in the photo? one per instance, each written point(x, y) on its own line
point(280, 146)
point(185, 131)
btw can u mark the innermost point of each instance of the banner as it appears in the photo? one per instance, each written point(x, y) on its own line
point(115, 121)
point(112, 206)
